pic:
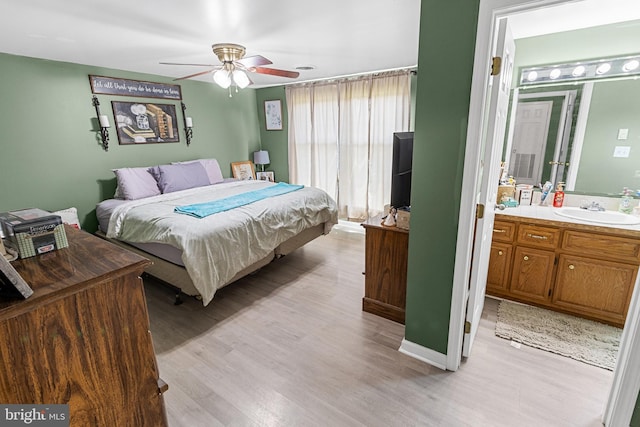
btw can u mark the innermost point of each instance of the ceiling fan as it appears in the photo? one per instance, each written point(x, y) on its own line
point(235, 66)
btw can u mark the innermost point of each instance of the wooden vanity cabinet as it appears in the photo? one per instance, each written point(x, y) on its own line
point(499, 272)
point(579, 269)
point(532, 274)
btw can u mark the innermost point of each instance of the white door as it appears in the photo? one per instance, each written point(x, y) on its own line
point(493, 141)
point(531, 130)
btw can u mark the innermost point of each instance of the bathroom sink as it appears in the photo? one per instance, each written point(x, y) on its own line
point(602, 217)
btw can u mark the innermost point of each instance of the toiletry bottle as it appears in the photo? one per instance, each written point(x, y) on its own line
point(558, 196)
point(625, 202)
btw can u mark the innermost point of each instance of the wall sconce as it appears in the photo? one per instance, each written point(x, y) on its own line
point(188, 123)
point(103, 120)
point(261, 158)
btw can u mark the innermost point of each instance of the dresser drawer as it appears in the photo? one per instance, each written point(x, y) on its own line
point(538, 236)
point(504, 231)
point(602, 246)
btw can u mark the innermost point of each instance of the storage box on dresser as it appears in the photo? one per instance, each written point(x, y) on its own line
point(585, 270)
point(82, 338)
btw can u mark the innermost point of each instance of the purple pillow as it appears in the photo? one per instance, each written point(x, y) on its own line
point(211, 166)
point(178, 177)
point(135, 183)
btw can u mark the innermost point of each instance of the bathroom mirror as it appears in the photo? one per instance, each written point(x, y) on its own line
point(584, 134)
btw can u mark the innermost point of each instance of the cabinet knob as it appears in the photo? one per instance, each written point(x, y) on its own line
point(526, 258)
point(571, 266)
point(499, 252)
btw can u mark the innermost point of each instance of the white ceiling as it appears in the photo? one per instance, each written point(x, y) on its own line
point(337, 37)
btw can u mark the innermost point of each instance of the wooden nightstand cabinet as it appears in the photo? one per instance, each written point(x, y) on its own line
point(386, 252)
point(82, 338)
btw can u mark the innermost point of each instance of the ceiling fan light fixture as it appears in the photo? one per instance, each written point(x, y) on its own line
point(222, 78)
point(240, 78)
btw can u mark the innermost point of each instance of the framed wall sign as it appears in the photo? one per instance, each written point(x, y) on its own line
point(243, 170)
point(128, 87)
point(273, 114)
point(140, 123)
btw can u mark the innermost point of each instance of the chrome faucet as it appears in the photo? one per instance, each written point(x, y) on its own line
point(593, 206)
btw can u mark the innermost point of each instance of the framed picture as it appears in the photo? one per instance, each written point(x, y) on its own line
point(273, 114)
point(141, 123)
point(243, 170)
point(265, 176)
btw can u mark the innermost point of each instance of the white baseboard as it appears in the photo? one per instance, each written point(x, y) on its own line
point(424, 354)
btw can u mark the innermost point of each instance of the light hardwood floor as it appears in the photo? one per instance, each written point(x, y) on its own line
point(290, 346)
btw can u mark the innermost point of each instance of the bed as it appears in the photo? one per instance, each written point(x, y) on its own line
point(200, 255)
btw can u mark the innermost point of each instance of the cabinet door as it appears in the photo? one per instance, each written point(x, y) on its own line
point(594, 288)
point(499, 268)
point(532, 273)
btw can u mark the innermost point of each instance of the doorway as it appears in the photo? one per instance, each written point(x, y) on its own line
point(627, 375)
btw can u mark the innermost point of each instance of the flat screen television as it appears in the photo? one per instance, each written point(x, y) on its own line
point(401, 170)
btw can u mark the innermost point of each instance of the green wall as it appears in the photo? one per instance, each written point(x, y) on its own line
point(594, 42)
point(442, 108)
point(614, 105)
point(275, 141)
point(51, 157)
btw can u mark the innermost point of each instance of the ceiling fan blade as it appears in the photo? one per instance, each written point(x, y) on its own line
point(276, 72)
point(194, 65)
point(195, 75)
point(254, 61)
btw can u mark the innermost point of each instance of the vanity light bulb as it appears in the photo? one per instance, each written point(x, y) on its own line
point(578, 71)
point(555, 73)
point(532, 76)
point(630, 65)
point(603, 68)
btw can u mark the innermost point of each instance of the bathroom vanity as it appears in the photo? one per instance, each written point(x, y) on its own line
point(575, 267)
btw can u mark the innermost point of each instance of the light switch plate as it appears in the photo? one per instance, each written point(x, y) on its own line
point(621, 151)
point(623, 133)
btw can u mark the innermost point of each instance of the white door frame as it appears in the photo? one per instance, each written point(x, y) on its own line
point(626, 382)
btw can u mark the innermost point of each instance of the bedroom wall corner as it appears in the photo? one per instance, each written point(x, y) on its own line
point(51, 155)
point(275, 141)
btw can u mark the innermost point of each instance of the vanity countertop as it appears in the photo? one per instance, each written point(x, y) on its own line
point(546, 213)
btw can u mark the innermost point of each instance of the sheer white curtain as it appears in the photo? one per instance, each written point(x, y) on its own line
point(340, 138)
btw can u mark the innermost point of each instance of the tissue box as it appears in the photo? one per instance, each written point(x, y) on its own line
point(33, 231)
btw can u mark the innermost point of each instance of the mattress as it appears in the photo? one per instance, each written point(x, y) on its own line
point(216, 248)
point(163, 251)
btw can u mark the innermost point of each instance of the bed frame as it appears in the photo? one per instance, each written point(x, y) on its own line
point(176, 276)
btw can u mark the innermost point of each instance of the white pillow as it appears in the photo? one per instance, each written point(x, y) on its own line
point(69, 216)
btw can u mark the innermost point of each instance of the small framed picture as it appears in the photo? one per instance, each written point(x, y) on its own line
point(265, 176)
point(273, 114)
point(243, 170)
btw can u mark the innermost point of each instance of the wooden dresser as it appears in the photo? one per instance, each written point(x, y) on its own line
point(385, 283)
point(83, 337)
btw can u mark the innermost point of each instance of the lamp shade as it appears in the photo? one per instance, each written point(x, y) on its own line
point(240, 79)
point(221, 77)
point(261, 157)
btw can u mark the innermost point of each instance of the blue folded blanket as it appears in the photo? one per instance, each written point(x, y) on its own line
point(202, 210)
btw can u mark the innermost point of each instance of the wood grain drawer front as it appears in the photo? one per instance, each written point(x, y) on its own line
point(504, 231)
point(532, 273)
point(499, 267)
point(540, 237)
point(593, 287)
point(602, 246)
